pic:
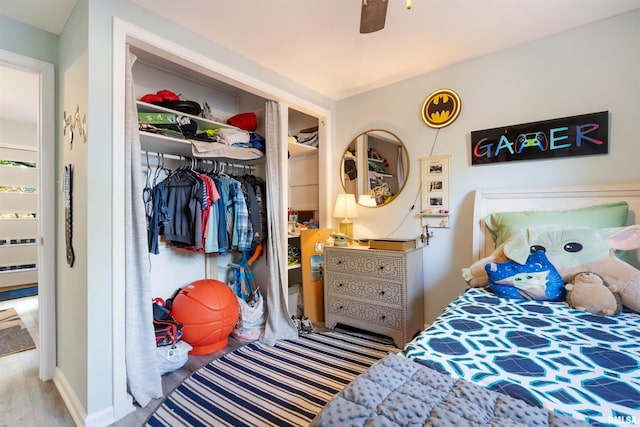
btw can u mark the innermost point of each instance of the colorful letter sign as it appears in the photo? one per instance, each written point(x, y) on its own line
point(582, 135)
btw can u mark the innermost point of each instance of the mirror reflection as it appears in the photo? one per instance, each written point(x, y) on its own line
point(375, 167)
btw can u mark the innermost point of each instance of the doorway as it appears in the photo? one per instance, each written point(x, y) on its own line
point(34, 163)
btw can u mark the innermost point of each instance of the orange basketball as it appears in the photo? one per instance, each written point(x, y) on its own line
point(208, 310)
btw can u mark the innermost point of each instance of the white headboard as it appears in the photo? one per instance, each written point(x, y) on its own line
point(544, 199)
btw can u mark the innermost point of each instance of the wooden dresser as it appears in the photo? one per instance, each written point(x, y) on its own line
point(380, 291)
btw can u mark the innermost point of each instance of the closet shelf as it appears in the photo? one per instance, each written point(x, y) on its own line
point(183, 147)
point(296, 149)
point(165, 144)
point(145, 107)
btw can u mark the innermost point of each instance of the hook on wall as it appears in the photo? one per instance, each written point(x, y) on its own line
point(73, 121)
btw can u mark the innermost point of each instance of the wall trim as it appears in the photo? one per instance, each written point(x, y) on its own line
point(71, 400)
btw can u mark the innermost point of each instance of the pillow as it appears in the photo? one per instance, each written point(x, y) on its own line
point(502, 224)
point(537, 279)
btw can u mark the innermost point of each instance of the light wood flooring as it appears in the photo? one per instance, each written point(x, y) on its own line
point(26, 401)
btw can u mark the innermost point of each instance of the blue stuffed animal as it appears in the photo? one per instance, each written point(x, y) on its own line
point(537, 279)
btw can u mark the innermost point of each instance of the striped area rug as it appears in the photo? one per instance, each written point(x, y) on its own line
point(283, 385)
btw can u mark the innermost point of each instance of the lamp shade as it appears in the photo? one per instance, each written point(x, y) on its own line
point(346, 206)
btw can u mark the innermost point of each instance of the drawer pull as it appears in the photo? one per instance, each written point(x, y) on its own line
point(381, 267)
point(383, 317)
point(381, 292)
point(341, 307)
point(339, 262)
point(340, 285)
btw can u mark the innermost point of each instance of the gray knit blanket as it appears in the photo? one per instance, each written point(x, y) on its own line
point(396, 391)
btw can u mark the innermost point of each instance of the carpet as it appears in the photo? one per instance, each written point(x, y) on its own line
point(283, 385)
point(14, 336)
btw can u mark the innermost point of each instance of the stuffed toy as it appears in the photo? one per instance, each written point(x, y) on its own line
point(572, 250)
point(537, 279)
point(588, 292)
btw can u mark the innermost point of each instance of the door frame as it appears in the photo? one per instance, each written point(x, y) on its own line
point(46, 203)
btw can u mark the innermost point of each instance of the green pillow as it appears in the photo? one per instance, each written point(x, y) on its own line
point(502, 224)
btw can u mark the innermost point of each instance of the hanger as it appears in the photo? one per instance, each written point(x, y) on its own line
point(147, 192)
point(159, 168)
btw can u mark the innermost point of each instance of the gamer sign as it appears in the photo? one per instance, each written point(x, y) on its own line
point(582, 135)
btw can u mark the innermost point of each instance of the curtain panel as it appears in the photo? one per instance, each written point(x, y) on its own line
point(143, 373)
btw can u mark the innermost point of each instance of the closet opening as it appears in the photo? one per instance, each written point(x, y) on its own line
point(160, 64)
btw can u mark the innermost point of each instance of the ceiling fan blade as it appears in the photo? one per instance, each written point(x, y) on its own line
point(373, 15)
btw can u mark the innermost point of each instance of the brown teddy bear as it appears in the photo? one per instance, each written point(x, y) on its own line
point(589, 292)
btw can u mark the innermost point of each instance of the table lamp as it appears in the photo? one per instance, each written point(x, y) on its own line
point(346, 208)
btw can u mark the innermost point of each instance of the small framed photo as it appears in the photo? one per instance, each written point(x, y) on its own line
point(435, 191)
point(435, 168)
point(435, 186)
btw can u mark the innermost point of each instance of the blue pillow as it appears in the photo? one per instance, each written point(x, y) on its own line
point(537, 279)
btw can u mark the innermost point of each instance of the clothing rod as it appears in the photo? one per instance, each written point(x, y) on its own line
point(211, 160)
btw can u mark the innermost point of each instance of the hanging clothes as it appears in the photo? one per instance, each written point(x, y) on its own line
point(249, 192)
point(184, 203)
point(159, 217)
point(214, 213)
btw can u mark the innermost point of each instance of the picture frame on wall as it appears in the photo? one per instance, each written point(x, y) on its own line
point(435, 191)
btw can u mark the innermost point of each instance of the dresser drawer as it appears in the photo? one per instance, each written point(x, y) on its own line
point(368, 263)
point(339, 285)
point(378, 315)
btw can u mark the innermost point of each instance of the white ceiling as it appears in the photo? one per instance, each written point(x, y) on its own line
point(47, 15)
point(317, 43)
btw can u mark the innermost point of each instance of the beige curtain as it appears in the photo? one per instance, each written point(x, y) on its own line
point(279, 325)
point(143, 374)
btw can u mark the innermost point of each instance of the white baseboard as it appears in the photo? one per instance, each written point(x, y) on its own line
point(101, 418)
point(74, 406)
point(104, 417)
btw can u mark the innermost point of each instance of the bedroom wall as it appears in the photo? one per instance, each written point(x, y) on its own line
point(589, 69)
point(75, 283)
point(28, 41)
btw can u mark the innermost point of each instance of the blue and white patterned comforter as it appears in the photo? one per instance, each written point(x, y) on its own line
point(544, 353)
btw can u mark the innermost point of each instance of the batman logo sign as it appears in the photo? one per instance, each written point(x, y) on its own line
point(441, 108)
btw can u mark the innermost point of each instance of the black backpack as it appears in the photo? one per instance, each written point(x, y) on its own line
point(168, 330)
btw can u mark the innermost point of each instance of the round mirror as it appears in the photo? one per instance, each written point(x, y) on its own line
point(375, 167)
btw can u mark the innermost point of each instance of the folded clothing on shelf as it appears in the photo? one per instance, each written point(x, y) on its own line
point(166, 98)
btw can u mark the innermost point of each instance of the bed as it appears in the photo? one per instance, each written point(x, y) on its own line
point(494, 360)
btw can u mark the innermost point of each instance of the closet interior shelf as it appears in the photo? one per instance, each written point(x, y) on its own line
point(183, 147)
point(145, 107)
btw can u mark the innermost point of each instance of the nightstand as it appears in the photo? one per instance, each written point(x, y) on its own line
point(375, 290)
